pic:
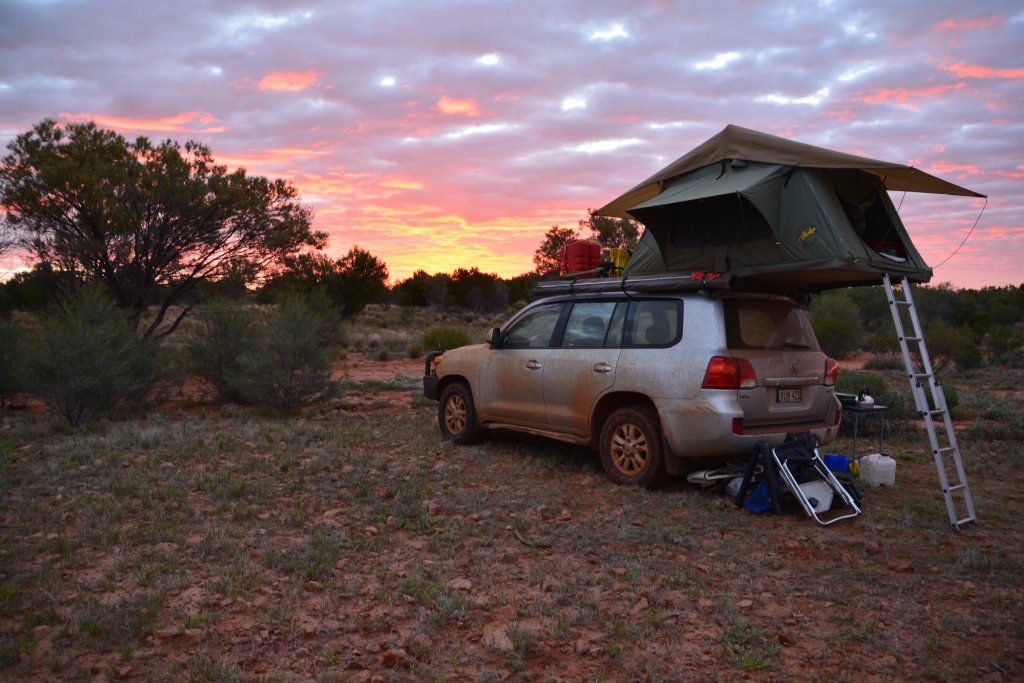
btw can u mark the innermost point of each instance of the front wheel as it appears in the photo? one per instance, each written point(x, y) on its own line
point(631, 449)
point(456, 415)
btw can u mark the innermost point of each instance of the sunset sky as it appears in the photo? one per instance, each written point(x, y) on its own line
point(441, 134)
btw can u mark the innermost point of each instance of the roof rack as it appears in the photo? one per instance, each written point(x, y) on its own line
point(654, 282)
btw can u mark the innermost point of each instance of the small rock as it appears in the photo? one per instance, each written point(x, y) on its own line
point(496, 638)
point(460, 584)
point(786, 638)
point(431, 507)
point(394, 657)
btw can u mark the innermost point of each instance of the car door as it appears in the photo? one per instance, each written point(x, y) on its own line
point(582, 365)
point(511, 376)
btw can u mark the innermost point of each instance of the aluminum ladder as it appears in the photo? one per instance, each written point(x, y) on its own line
point(935, 413)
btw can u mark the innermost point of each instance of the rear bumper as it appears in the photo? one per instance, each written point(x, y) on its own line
point(706, 429)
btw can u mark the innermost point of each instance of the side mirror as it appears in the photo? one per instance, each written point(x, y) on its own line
point(494, 338)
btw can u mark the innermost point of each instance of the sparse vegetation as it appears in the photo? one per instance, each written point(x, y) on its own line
point(354, 536)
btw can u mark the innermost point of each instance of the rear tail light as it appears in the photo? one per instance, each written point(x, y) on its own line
point(831, 372)
point(727, 372)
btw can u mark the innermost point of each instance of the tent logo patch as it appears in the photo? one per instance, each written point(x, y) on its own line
point(807, 234)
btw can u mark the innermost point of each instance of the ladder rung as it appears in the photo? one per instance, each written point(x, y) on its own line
point(933, 413)
point(947, 449)
point(922, 375)
point(913, 339)
point(903, 303)
point(965, 520)
point(955, 488)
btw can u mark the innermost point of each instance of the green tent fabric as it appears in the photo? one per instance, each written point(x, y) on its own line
point(776, 211)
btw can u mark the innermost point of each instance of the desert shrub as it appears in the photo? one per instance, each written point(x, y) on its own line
point(86, 358)
point(948, 344)
point(837, 324)
point(10, 338)
point(445, 337)
point(289, 365)
point(224, 331)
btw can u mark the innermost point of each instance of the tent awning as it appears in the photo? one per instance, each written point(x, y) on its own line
point(735, 142)
point(713, 184)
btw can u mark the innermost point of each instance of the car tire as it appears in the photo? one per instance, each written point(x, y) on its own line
point(631, 448)
point(456, 414)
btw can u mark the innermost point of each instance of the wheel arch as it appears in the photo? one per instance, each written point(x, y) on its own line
point(609, 403)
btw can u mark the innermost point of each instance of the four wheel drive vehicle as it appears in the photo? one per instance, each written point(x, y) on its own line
point(650, 377)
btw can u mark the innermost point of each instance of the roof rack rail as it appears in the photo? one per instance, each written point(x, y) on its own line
point(647, 282)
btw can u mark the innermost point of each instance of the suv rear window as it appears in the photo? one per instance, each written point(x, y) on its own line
point(765, 324)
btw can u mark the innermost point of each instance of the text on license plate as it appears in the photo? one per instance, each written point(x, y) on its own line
point(789, 395)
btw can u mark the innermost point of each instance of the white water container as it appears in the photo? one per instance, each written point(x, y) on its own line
point(878, 469)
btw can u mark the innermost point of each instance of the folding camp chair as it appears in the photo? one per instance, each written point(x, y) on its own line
point(798, 458)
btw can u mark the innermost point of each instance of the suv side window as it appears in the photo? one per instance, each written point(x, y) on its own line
point(588, 325)
point(655, 323)
point(534, 330)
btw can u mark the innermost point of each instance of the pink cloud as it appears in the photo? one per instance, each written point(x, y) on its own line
point(186, 122)
point(452, 106)
point(909, 96)
point(289, 81)
point(977, 24)
point(961, 70)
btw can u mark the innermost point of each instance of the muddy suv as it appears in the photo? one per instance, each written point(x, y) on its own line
point(649, 376)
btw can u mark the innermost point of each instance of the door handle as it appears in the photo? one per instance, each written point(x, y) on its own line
point(602, 367)
point(534, 365)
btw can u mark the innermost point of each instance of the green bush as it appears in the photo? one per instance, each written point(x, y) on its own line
point(225, 330)
point(86, 358)
point(445, 337)
point(289, 365)
point(10, 339)
point(948, 344)
point(838, 323)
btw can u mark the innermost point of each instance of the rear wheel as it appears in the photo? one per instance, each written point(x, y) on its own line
point(631, 449)
point(456, 415)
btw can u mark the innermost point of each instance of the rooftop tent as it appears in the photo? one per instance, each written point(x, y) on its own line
point(769, 209)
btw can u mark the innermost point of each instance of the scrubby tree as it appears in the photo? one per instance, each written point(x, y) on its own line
point(412, 291)
point(10, 343)
point(547, 258)
point(148, 221)
point(837, 323)
point(611, 233)
point(352, 282)
point(289, 365)
point(86, 358)
point(224, 330)
point(7, 238)
point(477, 291)
point(951, 345)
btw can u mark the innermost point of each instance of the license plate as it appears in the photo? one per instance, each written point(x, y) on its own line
point(789, 395)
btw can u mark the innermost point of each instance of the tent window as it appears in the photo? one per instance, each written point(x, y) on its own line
point(716, 221)
point(875, 226)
